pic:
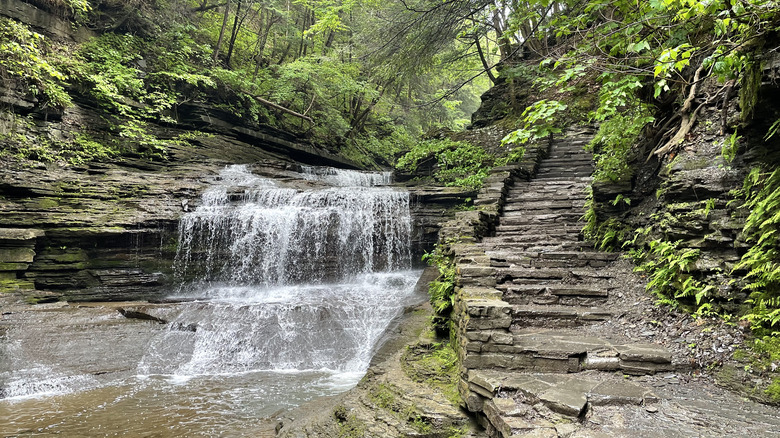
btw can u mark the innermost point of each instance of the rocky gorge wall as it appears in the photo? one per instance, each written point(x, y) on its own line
point(692, 198)
point(108, 231)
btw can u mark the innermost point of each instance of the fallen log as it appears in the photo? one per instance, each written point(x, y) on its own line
point(283, 109)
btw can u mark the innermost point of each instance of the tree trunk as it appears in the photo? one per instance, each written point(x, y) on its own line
point(262, 40)
point(482, 58)
point(233, 35)
point(222, 31)
point(504, 45)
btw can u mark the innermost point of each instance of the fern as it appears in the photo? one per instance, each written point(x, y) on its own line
point(668, 268)
point(761, 191)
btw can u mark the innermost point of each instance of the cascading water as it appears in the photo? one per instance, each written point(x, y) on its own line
point(285, 294)
point(250, 232)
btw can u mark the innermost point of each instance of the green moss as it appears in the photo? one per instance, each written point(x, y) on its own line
point(434, 364)
point(349, 425)
point(59, 255)
point(13, 266)
point(14, 285)
point(773, 390)
point(740, 355)
point(47, 203)
point(384, 396)
point(757, 375)
point(420, 425)
point(695, 164)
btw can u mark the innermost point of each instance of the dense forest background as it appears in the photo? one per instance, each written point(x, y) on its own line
point(361, 78)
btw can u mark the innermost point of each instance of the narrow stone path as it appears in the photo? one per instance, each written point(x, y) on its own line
point(539, 357)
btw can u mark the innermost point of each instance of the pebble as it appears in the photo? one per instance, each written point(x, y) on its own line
point(651, 409)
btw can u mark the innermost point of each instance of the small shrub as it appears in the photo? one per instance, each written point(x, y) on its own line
point(458, 163)
point(23, 63)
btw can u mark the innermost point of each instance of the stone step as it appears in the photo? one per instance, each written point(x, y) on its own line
point(546, 211)
point(531, 262)
point(528, 291)
point(563, 259)
point(538, 229)
point(538, 247)
point(548, 205)
point(564, 173)
point(532, 238)
point(525, 315)
point(568, 161)
point(548, 237)
point(504, 395)
point(523, 192)
point(547, 191)
point(576, 148)
point(521, 273)
point(566, 256)
point(546, 195)
point(564, 164)
point(572, 150)
point(577, 178)
point(560, 351)
point(563, 183)
point(536, 217)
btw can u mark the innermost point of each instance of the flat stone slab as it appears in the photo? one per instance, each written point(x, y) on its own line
point(560, 312)
point(594, 353)
point(565, 394)
point(20, 234)
point(481, 292)
point(565, 400)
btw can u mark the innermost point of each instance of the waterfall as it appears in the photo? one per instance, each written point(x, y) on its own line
point(287, 279)
point(250, 231)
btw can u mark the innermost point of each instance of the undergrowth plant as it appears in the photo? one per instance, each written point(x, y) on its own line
point(23, 64)
point(457, 163)
point(539, 122)
point(442, 290)
point(613, 142)
point(761, 191)
point(668, 267)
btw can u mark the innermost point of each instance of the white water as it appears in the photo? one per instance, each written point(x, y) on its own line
point(282, 236)
point(286, 295)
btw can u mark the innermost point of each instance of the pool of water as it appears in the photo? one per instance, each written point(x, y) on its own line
point(227, 363)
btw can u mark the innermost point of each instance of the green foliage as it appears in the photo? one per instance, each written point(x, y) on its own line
point(349, 425)
point(23, 63)
point(442, 290)
point(608, 235)
point(772, 130)
point(613, 143)
point(768, 350)
point(539, 122)
point(761, 191)
point(730, 147)
point(85, 149)
point(458, 163)
point(668, 266)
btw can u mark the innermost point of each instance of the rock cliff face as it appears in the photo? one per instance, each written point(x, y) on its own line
point(109, 231)
point(691, 197)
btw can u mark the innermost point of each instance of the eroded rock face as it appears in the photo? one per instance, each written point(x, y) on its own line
point(108, 231)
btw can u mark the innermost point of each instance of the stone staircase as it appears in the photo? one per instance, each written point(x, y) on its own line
point(531, 298)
